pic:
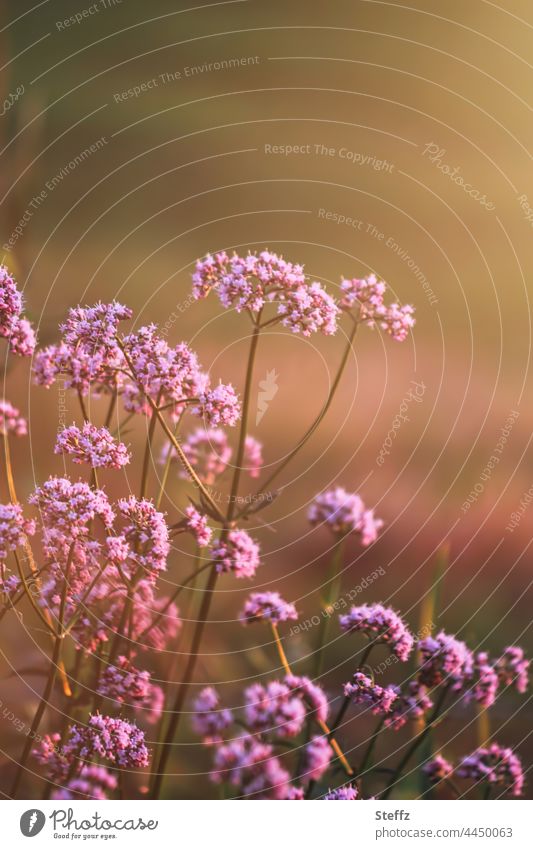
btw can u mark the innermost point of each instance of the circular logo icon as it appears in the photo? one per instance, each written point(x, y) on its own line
point(32, 822)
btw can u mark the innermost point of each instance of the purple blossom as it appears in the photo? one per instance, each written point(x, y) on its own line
point(13, 326)
point(253, 456)
point(11, 421)
point(513, 668)
point(312, 694)
point(437, 769)
point(208, 452)
point(92, 445)
point(124, 683)
point(485, 686)
point(13, 528)
point(68, 508)
point(238, 553)
point(412, 703)
point(219, 406)
point(269, 607)
point(495, 764)
point(112, 739)
point(93, 782)
point(22, 341)
point(210, 719)
point(367, 295)
point(274, 708)
point(344, 513)
point(381, 625)
point(317, 757)
point(445, 659)
point(146, 532)
point(9, 586)
point(343, 794)
point(363, 691)
point(196, 523)
point(247, 764)
point(308, 309)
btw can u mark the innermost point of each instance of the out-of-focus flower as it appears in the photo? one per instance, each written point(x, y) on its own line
point(412, 703)
point(13, 528)
point(495, 764)
point(13, 326)
point(513, 668)
point(124, 683)
point(316, 758)
point(196, 523)
point(253, 456)
point(485, 685)
point(368, 295)
point(445, 659)
point(269, 607)
point(11, 421)
point(111, 738)
point(312, 694)
point(274, 708)
point(238, 554)
point(343, 794)
point(437, 769)
point(363, 691)
point(210, 719)
point(208, 452)
point(381, 625)
point(344, 513)
point(93, 782)
point(248, 764)
point(92, 445)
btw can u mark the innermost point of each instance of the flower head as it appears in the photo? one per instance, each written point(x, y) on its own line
point(367, 295)
point(253, 456)
point(207, 450)
point(249, 765)
point(496, 765)
point(13, 326)
point(92, 445)
point(381, 625)
point(344, 513)
point(513, 668)
point(275, 708)
point(13, 528)
point(445, 659)
point(11, 421)
point(437, 769)
point(210, 719)
point(124, 683)
point(146, 532)
point(269, 607)
point(196, 523)
point(112, 739)
point(312, 694)
point(238, 553)
point(363, 691)
point(343, 794)
point(485, 686)
point(219, 406)
point(93, 782)
point(411, 703)
point(316, 758)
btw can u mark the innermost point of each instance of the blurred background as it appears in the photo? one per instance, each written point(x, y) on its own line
point(354, 137)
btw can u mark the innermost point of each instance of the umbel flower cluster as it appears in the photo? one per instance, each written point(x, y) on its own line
point(107, 578)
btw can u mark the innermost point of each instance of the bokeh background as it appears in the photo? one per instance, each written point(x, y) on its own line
point(387, 105)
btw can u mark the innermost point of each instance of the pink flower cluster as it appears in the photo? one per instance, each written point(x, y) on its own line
point(368, 295)
point(92, 445)
point(210, 719)
point(495, 764)
point(362, 690)
point(381, 625)
point(209, 453)
point(269, 607)
point(253, 281)
point(11, 421)
point(344, 513)
point(237, 553)
point(13, 326)
point(13, 528)
point(445, 659)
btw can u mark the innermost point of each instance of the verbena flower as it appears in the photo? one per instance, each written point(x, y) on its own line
point(124, 683)
point(274, 708)
point(207, 450)
point(445, 659)
point(210, 720)
point(196, 523)
point(344, 513)
point(92, 445)
point(13, 326)
point(11, 421)
point(247, 764)
point(513, 668)
point(219, 406)
point(367, 294)
point(93, 782)
point(253, 456)
point(113, 739)
point(316, 758)
point(495, 764)
point(343, 794)
point(267, 606)
point(411, 703)
point(437, 769)
point(13, 528)
point(146, 532)
point(238, 554)
point(485, 683)
point(67, 508)
point(312, 694)
point(363, 691)
point(381, 625)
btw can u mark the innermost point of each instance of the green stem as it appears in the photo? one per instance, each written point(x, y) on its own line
point(371, 746)
point(331, 594)
point(416, 743)
point(148, 453)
